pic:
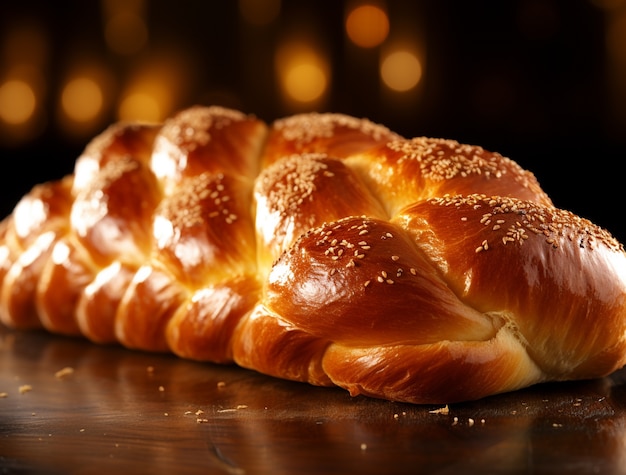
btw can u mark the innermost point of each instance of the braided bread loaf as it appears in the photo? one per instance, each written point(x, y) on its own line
point(323, 249)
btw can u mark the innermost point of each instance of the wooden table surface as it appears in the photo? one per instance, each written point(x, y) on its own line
point(69, 406)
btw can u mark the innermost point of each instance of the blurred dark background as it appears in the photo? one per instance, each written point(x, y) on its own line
point(540, 81)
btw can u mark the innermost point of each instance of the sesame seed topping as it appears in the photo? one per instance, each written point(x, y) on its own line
point(441, 159)
point(191, 127)
point(200, 198)
point(292, 181)
point(303, 129)
point(518, 219)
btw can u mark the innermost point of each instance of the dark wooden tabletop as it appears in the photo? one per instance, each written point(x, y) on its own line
point(68, 406)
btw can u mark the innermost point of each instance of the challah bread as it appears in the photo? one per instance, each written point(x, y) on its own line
point(320, 248)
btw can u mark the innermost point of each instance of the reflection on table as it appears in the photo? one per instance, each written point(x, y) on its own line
point(69, 406)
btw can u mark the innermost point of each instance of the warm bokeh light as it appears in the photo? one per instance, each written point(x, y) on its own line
point(17, 102)
point(259, 12)
point(24, 58)
point(305, 81)
point(82, 99)
point(140, 106)
point(367, 25)
point(303, 73)
point(156, 87)
point(401, 70)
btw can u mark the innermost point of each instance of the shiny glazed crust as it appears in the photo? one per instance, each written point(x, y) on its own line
point(320, 248)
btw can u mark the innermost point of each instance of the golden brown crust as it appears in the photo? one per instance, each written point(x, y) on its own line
point(38, 221)
point(207, 139)
point(446, 371)
point(120, 141)
point(361, 272)
point(545, 270)
point(203, 328)
point(402, 172)
point(96, 308)
point(111, 217)
point(204, 231)
point(300, 192)
point(336, 135)
point(322, 248)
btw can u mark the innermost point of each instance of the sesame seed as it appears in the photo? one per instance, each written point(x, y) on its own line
point(555, 224)
point(304, 129)
point(442, 159)
point(395, 258)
